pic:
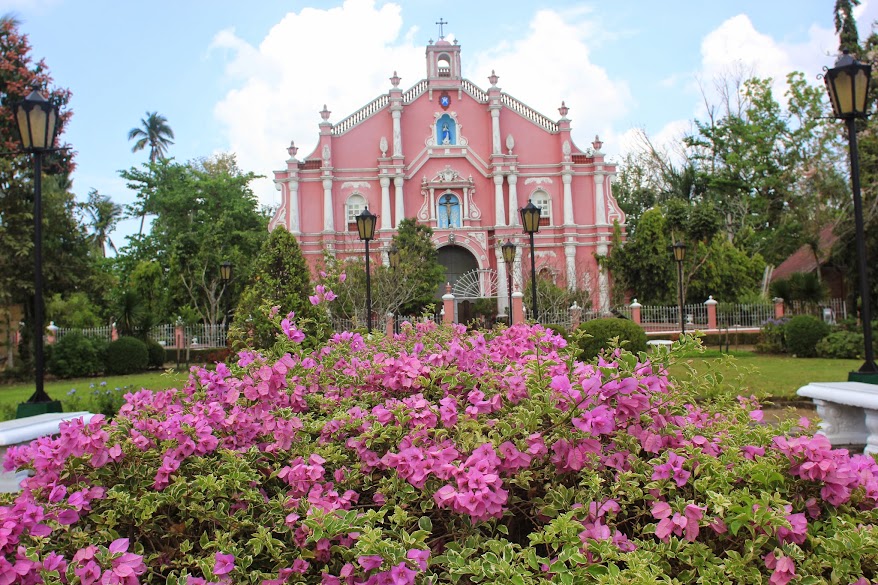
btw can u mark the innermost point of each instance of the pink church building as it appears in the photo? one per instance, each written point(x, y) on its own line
point(462, 160)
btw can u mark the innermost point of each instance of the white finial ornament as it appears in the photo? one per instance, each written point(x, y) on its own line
point(382, 145)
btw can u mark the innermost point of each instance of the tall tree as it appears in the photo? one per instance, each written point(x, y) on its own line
point(103, 215)
point(846, 25)
point(154, 132)
point(416, 250)
point(206, 213)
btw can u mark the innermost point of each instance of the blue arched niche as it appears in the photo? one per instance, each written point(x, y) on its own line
point(446, 130)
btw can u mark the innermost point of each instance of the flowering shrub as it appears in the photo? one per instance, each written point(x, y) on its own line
point(436, 456)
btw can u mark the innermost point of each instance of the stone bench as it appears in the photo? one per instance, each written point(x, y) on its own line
point(24, 430)
point(848, 412)
point(657, 343)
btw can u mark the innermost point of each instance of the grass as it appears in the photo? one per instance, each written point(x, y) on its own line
point(767, 376)
point(12, 395)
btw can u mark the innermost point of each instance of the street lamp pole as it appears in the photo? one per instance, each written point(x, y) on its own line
point(530, 221)
point(848, 86)
point(509, 257)
point(37, 126)
point(366, 228)
point(679, 250)
point(226, 277)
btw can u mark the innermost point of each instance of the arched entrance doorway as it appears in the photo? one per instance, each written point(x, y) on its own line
point(457, 262)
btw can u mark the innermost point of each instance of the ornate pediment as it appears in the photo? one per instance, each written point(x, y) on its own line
point(448, 177)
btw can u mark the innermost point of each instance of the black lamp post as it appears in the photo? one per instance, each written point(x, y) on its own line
point(530, 220)
point(226, 278)
point(679, 250)
point(509, 257)
point(37, 122)
point(848, 87)
point(366, 228)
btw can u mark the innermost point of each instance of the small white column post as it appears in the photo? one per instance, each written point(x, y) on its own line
point(398, 199)
point(499, 207)
point(512, 178)
point(385, 203)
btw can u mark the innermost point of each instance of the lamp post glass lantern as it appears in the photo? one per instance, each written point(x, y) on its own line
point(679, 250)
point(509, 257)
point(530, 222)
point(366, 229)
point(37, 124)
point(848, 86)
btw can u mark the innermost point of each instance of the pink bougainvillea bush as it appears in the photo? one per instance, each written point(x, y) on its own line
point(437, 456)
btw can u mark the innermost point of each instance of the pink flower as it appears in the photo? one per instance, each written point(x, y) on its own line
point(370, 562)
point(224, 564)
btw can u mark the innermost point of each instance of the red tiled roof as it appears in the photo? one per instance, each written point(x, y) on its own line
point(802, 260)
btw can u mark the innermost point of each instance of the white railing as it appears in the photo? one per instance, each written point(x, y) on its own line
point(738, 315)
point(527, 112)
point(366, 111)
point(105, 332)
point(474, 90)
point(562, 318)
point(414, 92)
point(838, 307)
point(667, 318)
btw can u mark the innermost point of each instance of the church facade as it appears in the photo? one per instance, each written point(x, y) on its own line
point(462, 160)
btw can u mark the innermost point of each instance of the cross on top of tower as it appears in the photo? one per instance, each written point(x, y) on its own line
point(441, 23)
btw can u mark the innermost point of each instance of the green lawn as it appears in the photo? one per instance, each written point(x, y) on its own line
point(11, 395)
point(768, 376)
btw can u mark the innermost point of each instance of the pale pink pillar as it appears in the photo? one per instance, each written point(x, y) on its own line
point(635, 311)
point(778, 308)
point(388, 324)
point(448, 305)
point(575, 316)
point(517, 307)
point(114, 333)
point(179, 336)
point(52, 334)
point(710, 303)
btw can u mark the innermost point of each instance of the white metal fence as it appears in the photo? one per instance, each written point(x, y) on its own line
point(198, 335)
point(738, 315)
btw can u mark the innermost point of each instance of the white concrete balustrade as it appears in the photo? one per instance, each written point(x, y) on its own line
point(848, 412)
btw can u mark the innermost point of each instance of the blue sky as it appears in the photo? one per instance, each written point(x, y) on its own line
point(248, 77)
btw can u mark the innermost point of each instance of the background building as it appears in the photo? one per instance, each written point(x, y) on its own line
point(462, 160)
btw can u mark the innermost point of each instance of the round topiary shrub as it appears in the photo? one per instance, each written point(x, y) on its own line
point(156, 353)
point(126, 355)
point(604, 330)
point(802, 333)
point(438, 456)
point(75, 356)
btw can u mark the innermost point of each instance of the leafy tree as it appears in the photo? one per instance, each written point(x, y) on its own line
point(103, 215)
point(279, 277)
point(846, 25)
point(155, 132)
point(206, 214)
point(643, 264)
point(76, 310)
point(419, 265)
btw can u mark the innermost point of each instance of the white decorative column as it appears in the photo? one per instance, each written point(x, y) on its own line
point(570, 258)
point(495, 129)
point(499, 207)
point(567, 179)
point(603, 282)
point(398, 198)
point(385, 203)
point(396, 113)
point(295, 226)
point(600, 206)
point(512, 178)
point(328, 223)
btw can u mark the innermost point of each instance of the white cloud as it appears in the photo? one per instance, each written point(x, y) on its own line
point(281, 84)
point(595, 99)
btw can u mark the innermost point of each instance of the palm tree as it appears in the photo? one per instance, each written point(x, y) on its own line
point(154, 132)
point(103, 216)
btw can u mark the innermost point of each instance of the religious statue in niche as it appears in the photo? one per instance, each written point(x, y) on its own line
point(448, 215)
point(446, 130)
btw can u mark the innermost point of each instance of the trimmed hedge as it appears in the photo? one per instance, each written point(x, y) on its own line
point(76, 356)
point(127, 355)
point(602, 331)
point(156, 353)
point(802, 334)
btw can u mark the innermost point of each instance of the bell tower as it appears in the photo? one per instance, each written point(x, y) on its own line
point(443, 58)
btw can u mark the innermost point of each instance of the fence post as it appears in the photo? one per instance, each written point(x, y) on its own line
point(448, 305)
point(179, 335)
point(114, 334)
point(52, 335)
point(388, 324)
point(711, 312)
point(778, 307)
point(575, 316)
point(517, 307)
point(635, 311)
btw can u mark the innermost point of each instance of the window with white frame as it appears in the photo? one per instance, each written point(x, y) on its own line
point(354, 207)
point(542, 200)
